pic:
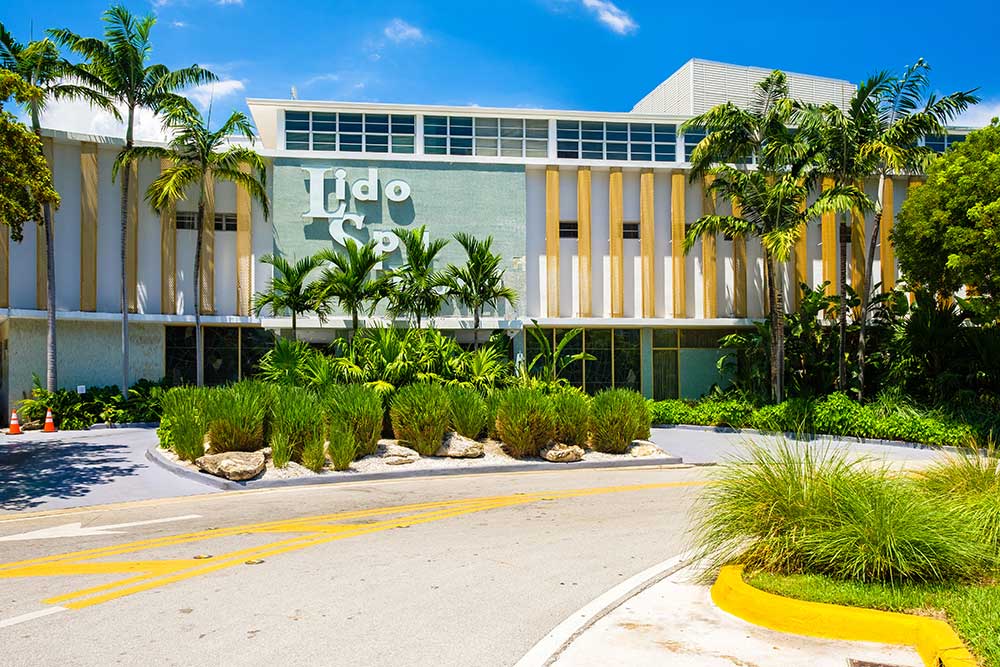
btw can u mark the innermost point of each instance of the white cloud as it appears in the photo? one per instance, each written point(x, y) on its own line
point(79, 116)
point(229, 2)
point(206, 93)
point(980, 114)
point(399, 31)
point(178, 24)
point(613, 17)
point(320, 78)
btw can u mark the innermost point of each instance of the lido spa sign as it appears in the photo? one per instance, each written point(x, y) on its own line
point(363, 190)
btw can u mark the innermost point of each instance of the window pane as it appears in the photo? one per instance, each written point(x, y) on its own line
point(402, 144)
point(537, 129)
point(511, 127)
point(255, 344)
point(435, 125)
point(461, 126)
point(628, 362)
point(350, 142)
point(574, 371)
point(435, 145)
point(536, 148)
point(617, 151)
point(486, 146)
point(376, 122)
point(566, 130)
point(180, 355)
point(486, 127)
point(297, 141)
point(665, 153)
point(510, 147)
point(350, 122)
point(402, 124)
point(323, 141)
point(703, 338)
point(461, 146)
point(664, 374)
point(642, 152)
point(664, 337)
point(221, 354)
point(598, 372)
point(568, 149)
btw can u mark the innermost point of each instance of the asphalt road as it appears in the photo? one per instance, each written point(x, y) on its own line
point(433, 571)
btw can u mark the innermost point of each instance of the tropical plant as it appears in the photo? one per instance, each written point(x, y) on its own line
point(186, 414)
point(118, 67)
point(297, 416)
point(417, 289)
point(572, 408)
point(199, 157)
point(47, 77)
point(286, 362)
point(772, 197)
point(550, 362)
point(238, 416)
point(420, 415)
point(290, 291)
point(468, 411)
point(617, 417)
point(484, 368)
point(355, 410)
point(281, 449)
point(342, 447)
point(878, 134)
point(349, 280)
point(525, 422)
point(479, 282)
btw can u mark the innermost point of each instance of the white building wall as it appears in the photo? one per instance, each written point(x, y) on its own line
point(262, 241)
point(694, 269)
point(631, 253)
point(600, 260)
point(569, 285)
point(66, 225)
point(108, 234)
point(148, 275)
point(225, 253)
point(534, 191)
point(186, 240)
point(661, 246)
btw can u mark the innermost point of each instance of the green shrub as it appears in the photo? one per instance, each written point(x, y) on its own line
point(572, 408)
point(238, 415)
point(672, 411)
point(358, 410)
point(526, 421)
point(796, 509)
point(186, 413)
point(493, 399)
point(297, 415)
point(420, 416)
point(281, 449)
point(792, 416)
point(468, 411)
point(617, 417)
point(342, 447)
point(314, 450)
point(838, 414)
point(732, 412)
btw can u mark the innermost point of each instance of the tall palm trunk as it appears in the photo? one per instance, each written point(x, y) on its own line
point(199, 350)
point(842, 314)
point(126, 178)
point(475, 328)
point(51, 380)
point(354, 324)
point(777, 316)
point(295, 326)
point(866, 287)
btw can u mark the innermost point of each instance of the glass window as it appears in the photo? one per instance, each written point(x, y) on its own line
point(402, 144)
point(511, 147)
point(630, 230)
point(511, 127)
point(598, 372)
point(297, 120)
point(486, 127)
point(222, 363)
point(486, 146)
point(567, 129)
point(186, 220)
point(616, 131)
point(254, 345)
point(665, 375)
point(324, 122)
point(436, 145)
point(436, 125)
point(536, 129)
point(460, 126)
point(692, 138)
point(617, 151)
point(351, 143)
point(377, 143)
point(461, 145)
point(297, 141)
point(225, 222)
point(536, 148)
point(402, 124)
point(351, 122)
point(377, 123)
point(628, 362)
point(568, 149)
point(665, 338)
point(324, 142)
point(703, 338)
point(568, 229)
point(574, 371)
point(180, 357)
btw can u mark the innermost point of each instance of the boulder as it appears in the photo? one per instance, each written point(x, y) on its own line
point(236, 466)
point(459, 447)
point(640, 448)
point(560, 453)
point(395, 455)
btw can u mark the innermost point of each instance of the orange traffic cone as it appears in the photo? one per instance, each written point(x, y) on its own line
point(50, 424)
point(15, 425)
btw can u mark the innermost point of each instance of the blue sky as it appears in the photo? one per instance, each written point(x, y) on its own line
point(577, 54)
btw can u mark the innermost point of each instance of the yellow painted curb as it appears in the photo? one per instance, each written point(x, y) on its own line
point(934, 640)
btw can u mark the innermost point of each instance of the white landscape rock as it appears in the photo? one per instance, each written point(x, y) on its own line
point(235, 466)
point(560, 453)
point(640, 448)
point(457, 446)
point(394, 454)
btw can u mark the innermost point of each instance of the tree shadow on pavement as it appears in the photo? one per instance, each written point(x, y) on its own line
point(32, 472)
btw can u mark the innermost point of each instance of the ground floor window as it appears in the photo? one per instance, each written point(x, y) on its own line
point(231, 353)
point(617, 358)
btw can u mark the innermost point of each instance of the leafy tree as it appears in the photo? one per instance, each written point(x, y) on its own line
point(948, 234)
point(49, 76)
point(289, 291)
point(479, 282)
point(878, 135)
point(349, 281)
point(551, 361)
point(417, 289)
point(773, 197)
point(199, 157)
point(118, 66)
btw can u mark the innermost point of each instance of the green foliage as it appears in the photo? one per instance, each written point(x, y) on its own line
point(671, 411)
point(948, 230)
point(837, 414)
point(186, 414)
point(314, 451)
point(238, 415)
point(617, 417)
point(550, 363)
point(343, 447)
point(798, 509)
point(348, 280)
point(468, 411)
point(281, 449)
point(416, 287)
point(792, 416)
point(290, 290)
point(525, 422)
point(356, 410)
point(493, 399)
point(297, 415)
point(420, 415)
point(73, 411)
point(572, 408)
point(479, 282)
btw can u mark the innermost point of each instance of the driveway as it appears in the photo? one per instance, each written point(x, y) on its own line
point(47, 471)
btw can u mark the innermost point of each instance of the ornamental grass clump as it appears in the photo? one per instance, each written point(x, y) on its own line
point(617, 417)
point(468, 411)
point(526, 421)
point(493, 398)
point(798, 509)
point(572, 409)
point(238, 417)
point(420, 415)
point(342, 446)
point(297, 415)
point(358, 410)
point(186, 413)
point(281, 449)
point(313, 448)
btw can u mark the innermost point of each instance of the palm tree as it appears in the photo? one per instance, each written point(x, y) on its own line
point(52, 77)
point(120, 65)
point(416, 288)
point(479, 282)
point(772, 196)
point(290, 291)
point(199, 157)
point(349, 280)
point(877, 134)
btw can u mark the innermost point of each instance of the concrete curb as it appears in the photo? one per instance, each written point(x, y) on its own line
point(551, 646)
point(934, 640)
point(154, 455)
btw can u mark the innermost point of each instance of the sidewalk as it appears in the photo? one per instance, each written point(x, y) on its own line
point(674, 622)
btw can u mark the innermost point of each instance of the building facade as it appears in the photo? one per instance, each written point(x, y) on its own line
point(588, 210)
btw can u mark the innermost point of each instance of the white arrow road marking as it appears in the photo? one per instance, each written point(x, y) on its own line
point(78, 530)
point(24, 618)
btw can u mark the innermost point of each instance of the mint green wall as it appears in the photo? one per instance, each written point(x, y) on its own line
point(480, 199)
point(699, 371)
